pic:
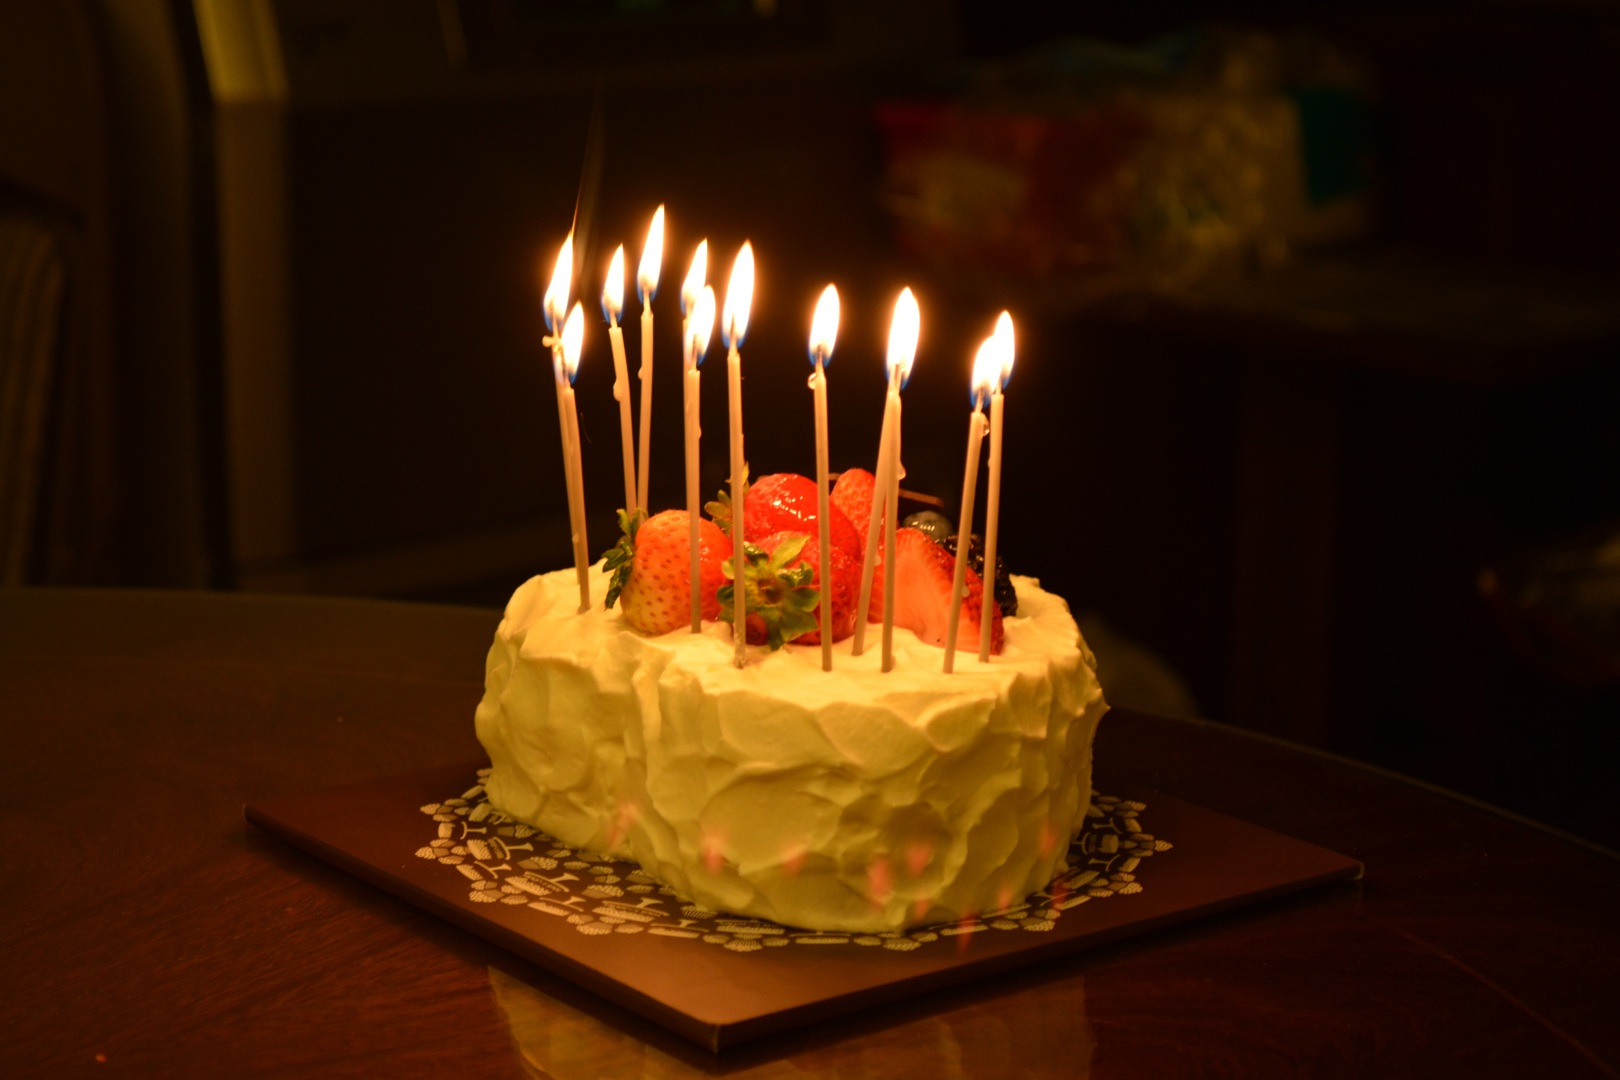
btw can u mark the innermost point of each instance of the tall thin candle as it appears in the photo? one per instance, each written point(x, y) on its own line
point(992, 504)
point(986, 373)
point(652, 263)
point(874, 526)
point(700, 325)
point(733, 327)
point(904, 330)
point(692, 290)
point(891, 511)
point(612, 305)
point(565, 364)
point(823, 335)
point(573, 337)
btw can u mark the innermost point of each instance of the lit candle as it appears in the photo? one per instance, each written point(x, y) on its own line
point(700, 325)
point(992, 503)
point(733, 326)
point(823, 335)
point(612, 305)
point(572, 340)
point(692, 290)
point(692, 286)
point(903, 333)
point(555, 303)
point(566, 342)
point(986, 374)
point(904, 330)
point(652, 263)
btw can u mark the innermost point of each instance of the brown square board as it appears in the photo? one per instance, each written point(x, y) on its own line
point(1142, 862)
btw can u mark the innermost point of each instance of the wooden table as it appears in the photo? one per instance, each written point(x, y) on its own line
point(146, 930)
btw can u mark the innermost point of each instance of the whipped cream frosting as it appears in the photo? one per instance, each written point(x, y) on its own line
point(855, 800)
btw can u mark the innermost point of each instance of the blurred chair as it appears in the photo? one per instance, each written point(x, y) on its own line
point(33, 299)
point(109, 367)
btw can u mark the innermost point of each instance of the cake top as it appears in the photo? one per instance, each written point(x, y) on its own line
point(1044, 656)
point(653, 568)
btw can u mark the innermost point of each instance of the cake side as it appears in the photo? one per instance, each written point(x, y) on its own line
point(857, 800)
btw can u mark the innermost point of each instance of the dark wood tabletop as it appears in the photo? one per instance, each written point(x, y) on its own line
point(145, 929)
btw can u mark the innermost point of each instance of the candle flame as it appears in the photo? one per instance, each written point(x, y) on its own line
point(824, 326)
point(556, 298)
point(695, 277)
point(613, 288)
point(573, 340)
point(904, 330)
point(701, 325)
point(986, 370)
point(739, 298)
point(652, 259)
point(1004, 331)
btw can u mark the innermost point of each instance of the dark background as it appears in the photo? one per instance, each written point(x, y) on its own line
point(1319, 490)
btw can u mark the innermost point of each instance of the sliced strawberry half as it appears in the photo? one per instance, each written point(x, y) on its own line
point(923, 574)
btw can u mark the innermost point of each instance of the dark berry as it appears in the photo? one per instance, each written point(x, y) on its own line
point(935, 525)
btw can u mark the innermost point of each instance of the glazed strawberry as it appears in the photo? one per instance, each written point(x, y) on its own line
point(852, 494)
point(652, 571)
point(786, 502)
point(923, 574)
point(846, 584)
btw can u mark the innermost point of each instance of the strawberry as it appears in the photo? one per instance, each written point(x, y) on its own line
point(846, 584)
point(652, 570)
point(852, 494)
point(786, 502)
point(923, 575)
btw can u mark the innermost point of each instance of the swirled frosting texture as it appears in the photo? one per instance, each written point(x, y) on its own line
point(857, 800)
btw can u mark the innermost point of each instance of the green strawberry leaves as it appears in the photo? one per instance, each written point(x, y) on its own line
point(783, 597)
point(719, 509)
point(619, 559)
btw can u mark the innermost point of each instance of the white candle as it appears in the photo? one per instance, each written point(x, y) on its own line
point(986, 373)
point(692, 290)
point(733, 327)
point(903, 333)
point(874, 524)
point(573, 338)
point(701, 324)
point(652, 263)
point(992, 504)
point(823, 335)
point(891, 511)
point(564, 366)
point(612, 304)
point(904, 330)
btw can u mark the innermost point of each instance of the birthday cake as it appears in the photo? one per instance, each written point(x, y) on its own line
point(855, 799)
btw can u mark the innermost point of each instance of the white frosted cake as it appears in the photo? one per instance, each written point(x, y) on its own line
point(854, 800)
